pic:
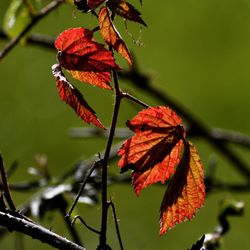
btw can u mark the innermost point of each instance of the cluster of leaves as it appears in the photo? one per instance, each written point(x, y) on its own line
point(155, 153)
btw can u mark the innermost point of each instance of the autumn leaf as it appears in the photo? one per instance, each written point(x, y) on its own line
point(74, 98)
point(186, 191)
point(125, 10)
point(77, 51)
point(154, 151)
point(111, 35)
point(87, 5)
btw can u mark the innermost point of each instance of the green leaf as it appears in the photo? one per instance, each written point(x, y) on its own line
point(17, 17)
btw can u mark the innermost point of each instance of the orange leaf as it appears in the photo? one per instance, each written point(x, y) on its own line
point(100, 79)
point(74, 98)
point(126, 10)
point(111, 35)
point(78, 52)
point(154, 151)
point(185, 192)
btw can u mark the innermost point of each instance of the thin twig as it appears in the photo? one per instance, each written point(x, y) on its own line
point(134, 99)
point(82, 187)
point(116, 224)
point(84, 223)
point(118, 97)
point(14, 222)
point(6, 190)
point(45, 11)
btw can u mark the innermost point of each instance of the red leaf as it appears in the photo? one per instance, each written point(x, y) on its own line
point(126, 10)
point(74, 98)
point(185, 192)
point(111, 35)
point(154, 151)
point(78, 52)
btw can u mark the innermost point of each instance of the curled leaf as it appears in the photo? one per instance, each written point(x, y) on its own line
point(186, 191)
point(154, 151)
point(74, 98)
point(111, 35)
point(125, 10)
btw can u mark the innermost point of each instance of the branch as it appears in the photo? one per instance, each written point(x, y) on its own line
point(45, 11)
point(14, 222)
point(5, 186)
point(35, 39)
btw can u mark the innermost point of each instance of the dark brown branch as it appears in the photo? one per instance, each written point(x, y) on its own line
point(14, 222)
point(5, 186)
point(118, 97)
point(45, 11)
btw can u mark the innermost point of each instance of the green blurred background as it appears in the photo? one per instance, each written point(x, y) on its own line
point(197, 51)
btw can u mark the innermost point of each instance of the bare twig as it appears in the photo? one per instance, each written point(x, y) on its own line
point(116, 224)
point(82, 187)
point(14, 222)
point(6, 190)
point(84, 223)
point(45, 11)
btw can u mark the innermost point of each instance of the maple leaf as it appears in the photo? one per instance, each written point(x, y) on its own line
point(111, 35)
point(154, 151)
point(77, 51)
point(74, 98)
point(186, 191)
point(125, 10)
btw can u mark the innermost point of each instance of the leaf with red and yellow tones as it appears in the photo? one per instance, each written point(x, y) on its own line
point(94, 78)
point(154, 151)
point(78, 52)
point(125, 10)
point(186, 191)
point(111, 35)
point(74, 98)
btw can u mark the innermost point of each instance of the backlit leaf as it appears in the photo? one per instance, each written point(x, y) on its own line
point(186, 191)
point(126, 10)
point(111, 35)
point(77, 51)
point(154, 151)
point(74, 98)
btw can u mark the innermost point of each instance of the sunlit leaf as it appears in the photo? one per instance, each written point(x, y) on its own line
point(111, 35)
point(77, 51)
point(74, 98)
point(154, 151)
point(126, 10)
point(186, 191)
